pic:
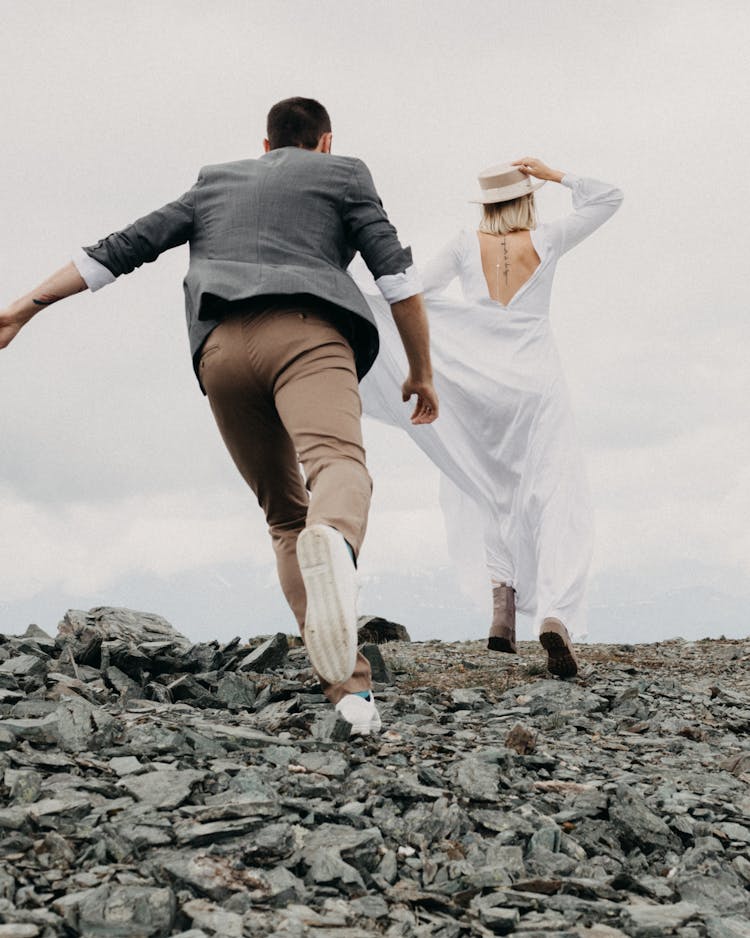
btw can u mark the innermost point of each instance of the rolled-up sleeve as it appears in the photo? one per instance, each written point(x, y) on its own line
point(395, 287)
point(372, 234)
point(139, 243)
point(95, 275)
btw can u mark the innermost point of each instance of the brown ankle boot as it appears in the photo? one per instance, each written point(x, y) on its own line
point(503, 630)
point(561, 659)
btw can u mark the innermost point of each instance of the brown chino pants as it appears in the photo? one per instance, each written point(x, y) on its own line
point(283, 388)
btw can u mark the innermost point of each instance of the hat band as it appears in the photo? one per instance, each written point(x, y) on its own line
point(501, 182)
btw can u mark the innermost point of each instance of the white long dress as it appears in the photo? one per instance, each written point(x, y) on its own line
point(513, 481)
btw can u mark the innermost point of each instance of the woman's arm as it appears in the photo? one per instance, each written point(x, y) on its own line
point(593, 203)
point(64, 282)
point(444, 267)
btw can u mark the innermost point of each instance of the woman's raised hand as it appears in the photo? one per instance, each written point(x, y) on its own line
point(531, 166)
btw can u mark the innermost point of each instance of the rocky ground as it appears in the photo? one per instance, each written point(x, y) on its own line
point(150, 787)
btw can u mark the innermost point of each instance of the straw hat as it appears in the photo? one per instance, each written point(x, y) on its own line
point(503, 182)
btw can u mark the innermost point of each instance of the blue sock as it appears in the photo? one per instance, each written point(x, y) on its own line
point(362, 693)
point(351, 551)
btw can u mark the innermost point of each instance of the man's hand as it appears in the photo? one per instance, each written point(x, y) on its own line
point(64, 282)
point(411, 320)
point(426, 409)
point(10, 326)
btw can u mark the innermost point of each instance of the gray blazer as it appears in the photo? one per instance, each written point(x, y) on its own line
point(287, 223)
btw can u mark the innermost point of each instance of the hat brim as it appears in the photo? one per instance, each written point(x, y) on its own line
point(488, 196)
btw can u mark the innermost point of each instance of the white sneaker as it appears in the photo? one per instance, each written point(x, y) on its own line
point(331, 619)
point(361, 713)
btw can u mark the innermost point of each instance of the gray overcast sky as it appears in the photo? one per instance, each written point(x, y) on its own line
point(114, 486)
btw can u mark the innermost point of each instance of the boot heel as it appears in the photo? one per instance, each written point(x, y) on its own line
point(503, 629)
point(495, 643)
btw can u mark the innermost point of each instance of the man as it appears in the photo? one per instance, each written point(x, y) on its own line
point(280, 335)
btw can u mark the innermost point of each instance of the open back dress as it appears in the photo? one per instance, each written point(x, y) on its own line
point(513, 484)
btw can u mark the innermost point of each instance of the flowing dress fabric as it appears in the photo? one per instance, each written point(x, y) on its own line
point(513, 484)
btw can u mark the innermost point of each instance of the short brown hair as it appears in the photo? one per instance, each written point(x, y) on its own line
point(297, 122)
point(514, 215)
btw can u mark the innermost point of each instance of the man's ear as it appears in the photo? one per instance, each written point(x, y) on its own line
point(266, 146)
point(324, 144)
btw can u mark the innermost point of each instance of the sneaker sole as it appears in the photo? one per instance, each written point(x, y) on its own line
point(330, 627)
point(366, 729)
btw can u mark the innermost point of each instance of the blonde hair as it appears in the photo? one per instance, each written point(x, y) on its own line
point(501, 218)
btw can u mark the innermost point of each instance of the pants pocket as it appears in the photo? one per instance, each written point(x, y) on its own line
point(207, 352)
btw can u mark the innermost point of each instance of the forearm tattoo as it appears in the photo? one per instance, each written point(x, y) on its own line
point(46, 299)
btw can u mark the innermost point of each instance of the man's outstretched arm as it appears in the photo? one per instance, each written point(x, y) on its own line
point(64, 282)
point(100, 264)
point(411, 319)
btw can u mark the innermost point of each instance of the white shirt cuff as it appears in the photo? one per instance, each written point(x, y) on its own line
point(395, 287)
point(95, 274)
point(569, 180)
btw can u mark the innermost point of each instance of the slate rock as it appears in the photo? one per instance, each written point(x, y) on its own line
point(187, 688)
point(42, 638)
point(236, 691)
point(725, 926)
point(552, 697)
point(126, 656)
point(33, 707)
point(738, 765)
point(378, 631)
point(205, 656)
point(212, 919)
point(361, 848)
point(381, 673)
point(74, 725)
point(469, 698)
point(500, 921)
point(330, 764)
point(167, 788)
point(214, 877)
point(271, 654)
point(735, 832)
point(125, 765)
point(262, 816)
point(601, 931)
point(26, 787)
point(127, 911)
point(24, 666)
point(116, 623)
point(330, 726)
point(477, 779)
point(126, 687)
point(328, 869)
point(653, 921)
point(714, 888)
point(635, 823)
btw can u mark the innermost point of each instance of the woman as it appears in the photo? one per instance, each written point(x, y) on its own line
point(505, 438)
